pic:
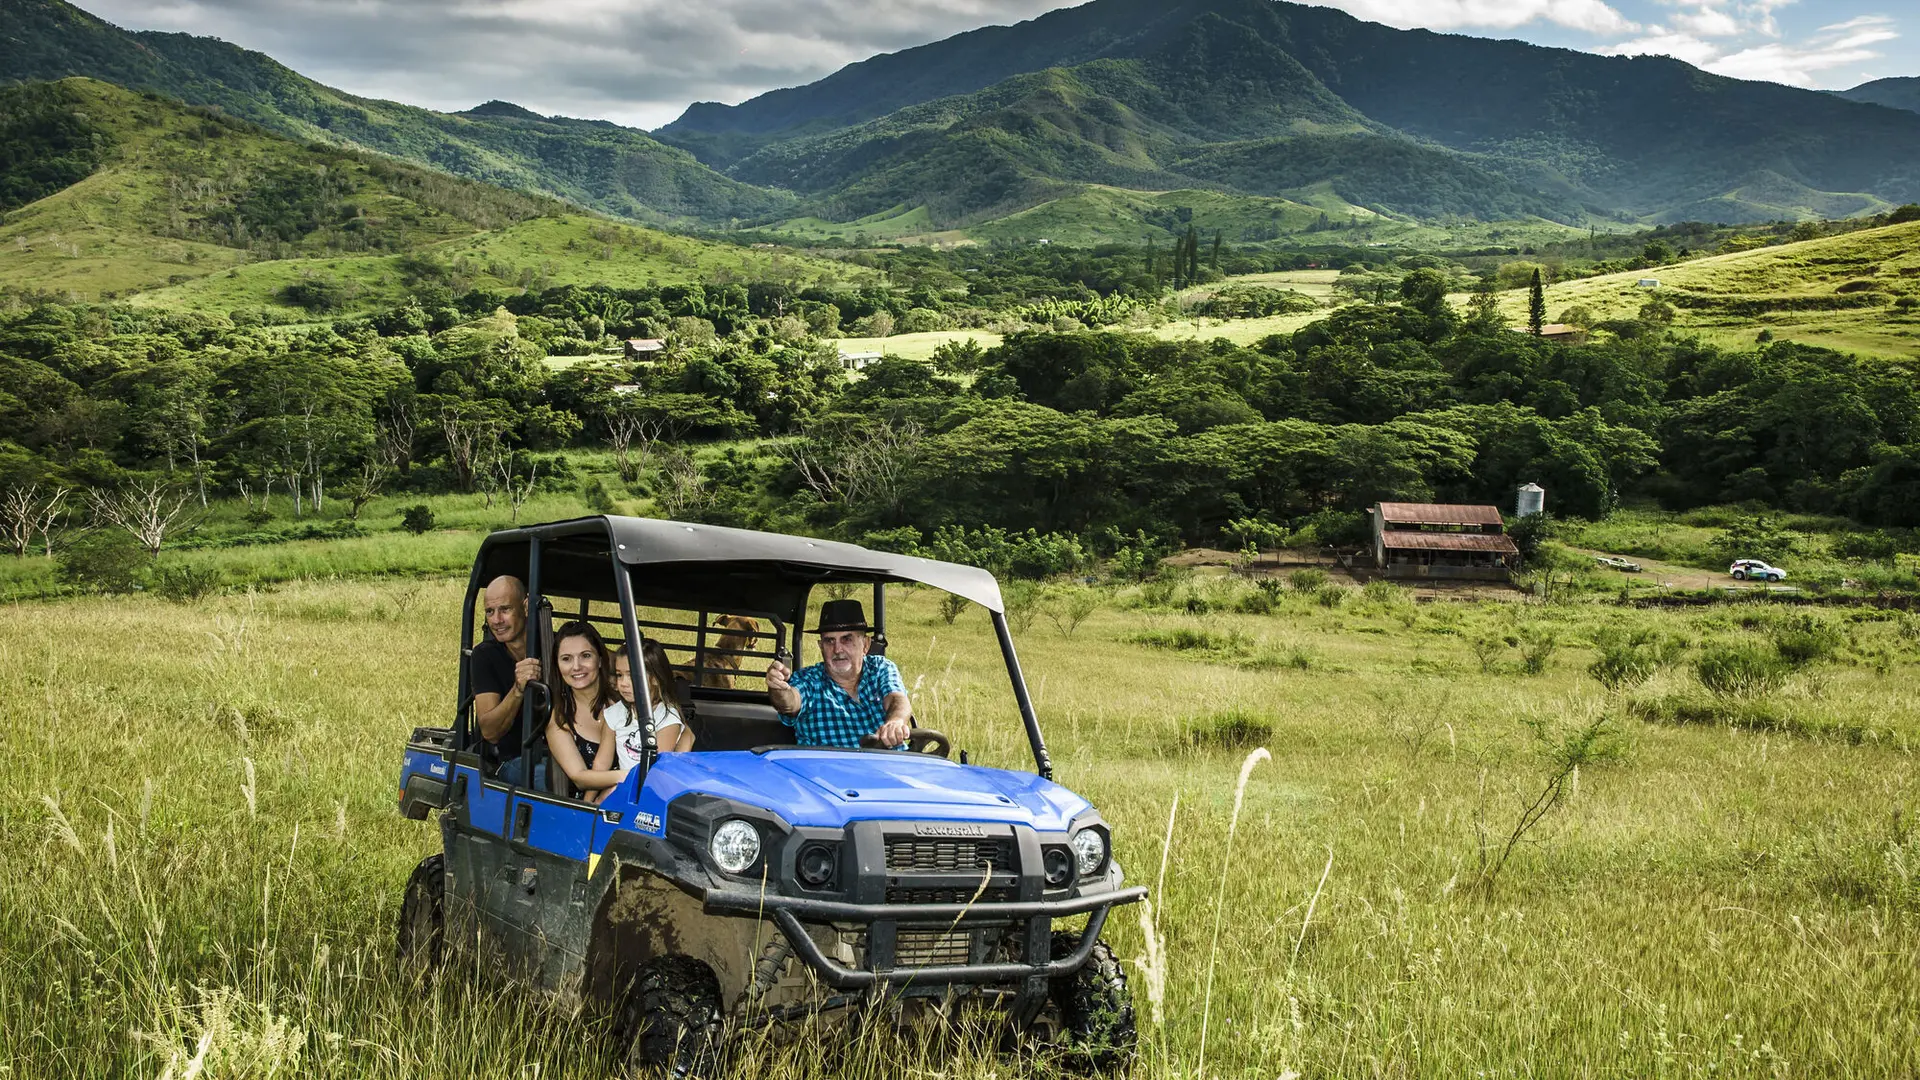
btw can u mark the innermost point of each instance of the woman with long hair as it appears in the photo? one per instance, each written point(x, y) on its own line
point(577, 734)
point(670, 733)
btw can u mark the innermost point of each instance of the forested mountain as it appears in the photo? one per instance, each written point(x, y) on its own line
point(1901, 92)
point(105, 192)
point(593, 163)
point(1648, 137)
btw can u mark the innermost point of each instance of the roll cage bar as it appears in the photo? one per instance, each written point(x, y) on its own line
point(636, 562)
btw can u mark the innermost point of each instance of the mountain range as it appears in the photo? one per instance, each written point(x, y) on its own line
point(1285, 110)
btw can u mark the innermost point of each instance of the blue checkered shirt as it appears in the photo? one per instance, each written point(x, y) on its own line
point(828, 717)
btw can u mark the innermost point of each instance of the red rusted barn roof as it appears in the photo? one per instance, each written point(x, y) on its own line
point(1437, 541)
point(1439, 514)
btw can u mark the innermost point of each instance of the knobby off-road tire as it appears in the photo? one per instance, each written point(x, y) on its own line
point(1096, 1011)
point(671, 1014)
point(420, 945)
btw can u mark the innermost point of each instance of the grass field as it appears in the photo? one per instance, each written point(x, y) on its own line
point(203, 860)
point(1838, 292)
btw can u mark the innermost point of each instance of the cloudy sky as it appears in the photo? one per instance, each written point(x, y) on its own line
point(640, 62)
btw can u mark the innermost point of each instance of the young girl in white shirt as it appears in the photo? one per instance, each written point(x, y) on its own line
point(670, 734)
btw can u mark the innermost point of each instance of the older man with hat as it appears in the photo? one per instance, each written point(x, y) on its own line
point(849, 694)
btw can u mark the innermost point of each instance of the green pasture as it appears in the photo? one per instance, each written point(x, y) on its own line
point(1840, 292)
point(203, 860)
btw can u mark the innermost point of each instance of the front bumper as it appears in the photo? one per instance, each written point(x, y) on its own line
point(1032, 921)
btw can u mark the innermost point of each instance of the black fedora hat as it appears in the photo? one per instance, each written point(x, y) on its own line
point(837, 615)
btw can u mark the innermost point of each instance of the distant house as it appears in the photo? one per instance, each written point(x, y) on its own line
point(1442, 540)
point(645, 348)
point(857, 361)
point(1554, 331)
point(1648, 283)
point(626, 388)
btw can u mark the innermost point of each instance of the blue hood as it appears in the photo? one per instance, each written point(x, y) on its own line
point(829, 789)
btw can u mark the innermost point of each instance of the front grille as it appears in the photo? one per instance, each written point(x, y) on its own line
point(898, 895)
point(932, 948)
point(950, 856)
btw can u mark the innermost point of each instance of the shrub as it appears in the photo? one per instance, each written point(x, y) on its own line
point(259, 517)
point(1331, 596)
point(105, 560)
point(951, 605)
point(1069, 606)
point(1309, 580)
point(1739, 670)
point(1805, 640)
point(418, 519)
point(1232, 730)
point(1624, 663)
point(184, 584)
point(1536, 650)
point(1022, 602)
point(1188, 639)
point(593, 492)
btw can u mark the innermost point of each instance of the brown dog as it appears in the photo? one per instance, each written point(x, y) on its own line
point(740, 634)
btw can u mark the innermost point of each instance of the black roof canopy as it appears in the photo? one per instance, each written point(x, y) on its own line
point(687, 565)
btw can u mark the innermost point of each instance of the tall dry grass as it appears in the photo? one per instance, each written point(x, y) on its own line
point(200, 859)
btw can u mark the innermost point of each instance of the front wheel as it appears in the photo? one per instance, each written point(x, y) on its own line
point(1739, 575)
point(421, 941)
point(672, 1015)
point(1096, 1010)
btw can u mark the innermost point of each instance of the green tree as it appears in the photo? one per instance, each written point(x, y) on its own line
point(1536, 303)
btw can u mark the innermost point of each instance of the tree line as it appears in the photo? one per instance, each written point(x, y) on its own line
point(1107, 437)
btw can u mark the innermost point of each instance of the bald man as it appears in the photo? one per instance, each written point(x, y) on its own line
point(501, 671)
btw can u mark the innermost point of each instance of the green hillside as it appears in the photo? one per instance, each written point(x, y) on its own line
point(1858, 292)
point(215, 213)
point(1214, 106)
point(1900, 92)
point(596, 164)
point(1499, 122)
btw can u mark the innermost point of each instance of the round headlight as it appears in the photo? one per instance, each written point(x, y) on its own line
point(1089, 850)
point(735, 846)
point(815, 865)
point(1058, 865)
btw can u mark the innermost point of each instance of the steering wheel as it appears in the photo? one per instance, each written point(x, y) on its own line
point(920, 740)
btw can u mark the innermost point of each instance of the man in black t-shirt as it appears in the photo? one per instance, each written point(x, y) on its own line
point(501, 670)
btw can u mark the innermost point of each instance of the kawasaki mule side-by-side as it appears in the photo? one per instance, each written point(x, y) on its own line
point(752, 881)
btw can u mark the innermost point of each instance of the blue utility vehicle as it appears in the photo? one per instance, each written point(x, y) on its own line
point(752, 882)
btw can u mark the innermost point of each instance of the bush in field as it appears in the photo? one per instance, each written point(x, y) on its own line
point(1626, 659)
point(1804, 640)
point(185, 584)
point(951, 605)
point(1309, 580)
point(1740, 670)
point(1232, 730)
point(593, 492)
point(1068, 606)
point(105, 560)
point(1537, 646)
point(418, 519)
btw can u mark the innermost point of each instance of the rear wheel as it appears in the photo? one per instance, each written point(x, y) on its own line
point(1096, 1010)
point(421, 940)
point(671, 1014)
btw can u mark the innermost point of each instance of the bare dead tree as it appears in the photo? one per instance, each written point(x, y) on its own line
point(866, 465)
point(147, 510)
point(517, 486)
point(30, 511)
point(683, 487)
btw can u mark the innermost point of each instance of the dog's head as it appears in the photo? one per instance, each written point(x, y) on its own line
point(739, 631)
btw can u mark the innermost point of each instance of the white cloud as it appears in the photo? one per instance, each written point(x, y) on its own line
point(1589, 16)
point(1687, 36)
point(637, 62)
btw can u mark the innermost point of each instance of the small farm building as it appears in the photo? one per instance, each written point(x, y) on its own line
point(1442, 540)
point(857, 361)
point(645, 348)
